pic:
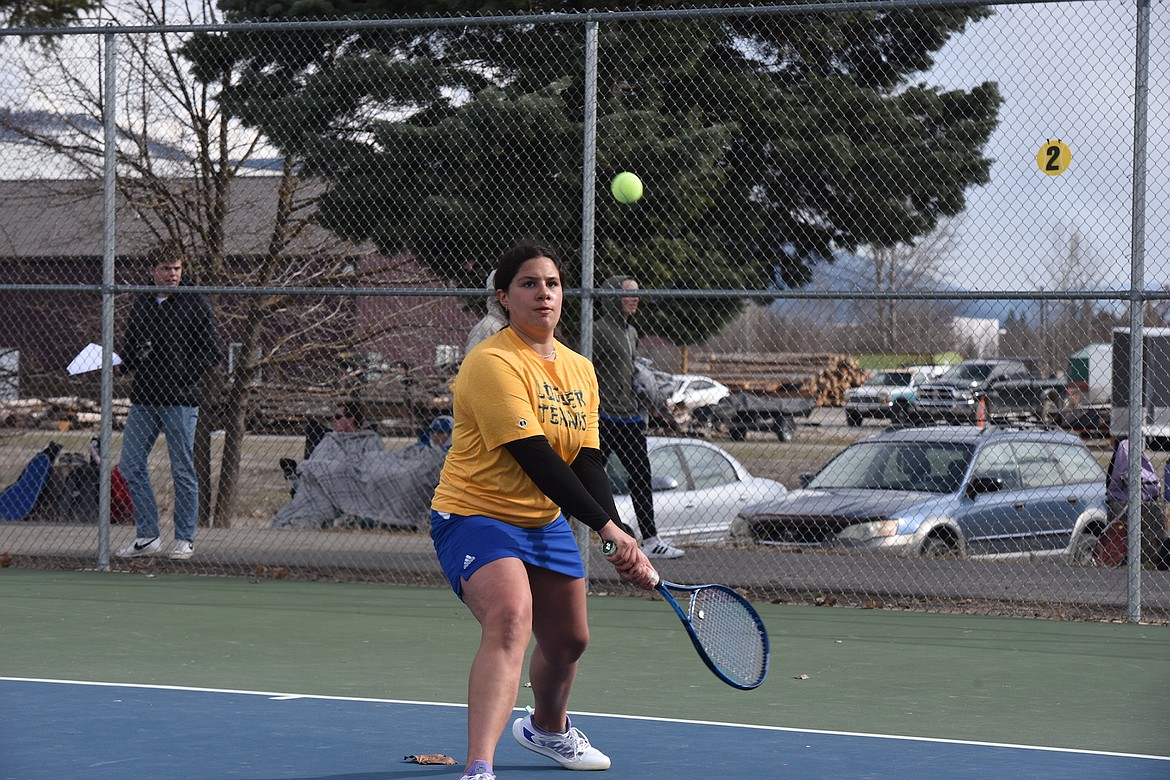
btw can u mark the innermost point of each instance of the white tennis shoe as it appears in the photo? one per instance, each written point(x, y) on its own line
point(479, 770)
point(182, 550)
point(571, 750)
point(656, 548)
point(140, 547)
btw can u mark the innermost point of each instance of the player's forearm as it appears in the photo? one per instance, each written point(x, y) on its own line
point(558, 481)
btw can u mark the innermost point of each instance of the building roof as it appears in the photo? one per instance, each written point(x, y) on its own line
point(42, 218)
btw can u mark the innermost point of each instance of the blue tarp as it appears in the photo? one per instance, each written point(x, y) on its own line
point(18, 499)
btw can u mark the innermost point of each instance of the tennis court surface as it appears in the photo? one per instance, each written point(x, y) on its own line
point(132, 676)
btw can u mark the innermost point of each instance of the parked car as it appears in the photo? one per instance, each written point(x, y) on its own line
point(965, 492)
point(889, 395)
point(692, 392)
point(671, 399)
point(698, 489)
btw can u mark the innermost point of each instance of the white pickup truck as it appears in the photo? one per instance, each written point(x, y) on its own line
point(888, 395)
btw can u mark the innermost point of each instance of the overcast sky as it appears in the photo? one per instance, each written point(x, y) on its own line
point(1065, 71)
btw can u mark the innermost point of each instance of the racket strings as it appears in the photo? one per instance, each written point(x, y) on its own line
point(729, 633)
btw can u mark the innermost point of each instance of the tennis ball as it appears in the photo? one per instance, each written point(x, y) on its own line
point(626, 187)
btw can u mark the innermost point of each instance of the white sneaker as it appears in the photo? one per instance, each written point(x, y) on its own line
point(181, 550)
point(656, 548)
point(479, 770)
point(571, 750)
point(139, 548)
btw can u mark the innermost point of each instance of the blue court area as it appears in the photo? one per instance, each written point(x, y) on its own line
point(61, 729)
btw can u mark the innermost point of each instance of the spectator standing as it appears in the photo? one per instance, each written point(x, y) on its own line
point(171, 342)
point(1117, 499)
point(492, 322)
point(622, 422)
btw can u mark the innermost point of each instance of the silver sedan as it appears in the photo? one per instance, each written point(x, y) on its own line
point(698, 489)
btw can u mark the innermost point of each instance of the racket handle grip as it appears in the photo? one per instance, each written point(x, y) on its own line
point(608, 548)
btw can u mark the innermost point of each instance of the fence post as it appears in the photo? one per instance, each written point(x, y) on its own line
point(109, 173)
point(1137, 307)
point(588, 185)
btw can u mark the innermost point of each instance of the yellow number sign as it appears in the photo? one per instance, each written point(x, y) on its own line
point(1054, 157)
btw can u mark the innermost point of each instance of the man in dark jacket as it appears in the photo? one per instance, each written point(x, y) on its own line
point(171, 342)
point(622, 425)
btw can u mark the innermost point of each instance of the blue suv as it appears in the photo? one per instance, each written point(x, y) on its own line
point(965, 492)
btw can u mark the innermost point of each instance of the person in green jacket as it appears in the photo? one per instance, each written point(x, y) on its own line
point(623, 424)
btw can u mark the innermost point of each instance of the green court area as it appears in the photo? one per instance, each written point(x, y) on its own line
point(1019, 681)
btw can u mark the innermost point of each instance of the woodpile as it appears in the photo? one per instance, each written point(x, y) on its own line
point(272, 409)
point(822, 376)
point(60, 412)
point(827, 387)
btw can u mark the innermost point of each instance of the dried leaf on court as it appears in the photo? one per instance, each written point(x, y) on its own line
point(430, 758)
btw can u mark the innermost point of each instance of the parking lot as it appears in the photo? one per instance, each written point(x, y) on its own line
point(818, 438)
point(248, 547)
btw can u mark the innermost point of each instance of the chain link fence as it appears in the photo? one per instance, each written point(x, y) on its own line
point(909, 241)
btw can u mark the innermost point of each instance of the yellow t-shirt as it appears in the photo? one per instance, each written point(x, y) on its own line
point(505, 392)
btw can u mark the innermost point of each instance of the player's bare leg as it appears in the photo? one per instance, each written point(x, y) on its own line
point(562, 634)
point(498, 596)
point(560, 623)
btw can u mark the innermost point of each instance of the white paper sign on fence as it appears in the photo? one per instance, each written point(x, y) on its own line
point(90, 359)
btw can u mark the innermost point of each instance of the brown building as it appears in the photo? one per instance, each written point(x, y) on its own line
point(51, 246)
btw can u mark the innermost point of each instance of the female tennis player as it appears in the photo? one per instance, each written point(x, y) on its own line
point(526, 445)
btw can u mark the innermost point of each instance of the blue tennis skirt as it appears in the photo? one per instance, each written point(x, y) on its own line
point(466, 542)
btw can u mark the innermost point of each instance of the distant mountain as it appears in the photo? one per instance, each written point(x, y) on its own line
point(852, 273)
point(15, 124)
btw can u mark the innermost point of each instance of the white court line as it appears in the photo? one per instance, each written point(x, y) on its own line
point(787, 729)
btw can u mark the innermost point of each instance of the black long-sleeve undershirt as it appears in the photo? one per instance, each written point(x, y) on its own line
point(580, 489)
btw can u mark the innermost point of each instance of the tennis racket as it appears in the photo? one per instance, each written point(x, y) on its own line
point(723, 626)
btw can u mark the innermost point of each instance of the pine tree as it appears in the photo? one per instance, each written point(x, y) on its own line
point(765, 142)
point(44, 13)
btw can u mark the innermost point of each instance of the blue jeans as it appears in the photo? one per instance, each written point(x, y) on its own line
point(143, 426)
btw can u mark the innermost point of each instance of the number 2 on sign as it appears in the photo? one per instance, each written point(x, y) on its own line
point(1054, 157)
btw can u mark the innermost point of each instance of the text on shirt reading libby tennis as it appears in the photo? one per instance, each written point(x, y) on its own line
point(557, 408)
